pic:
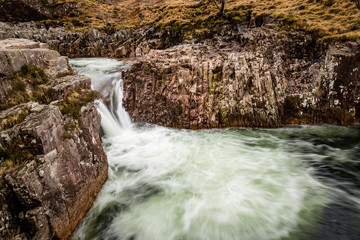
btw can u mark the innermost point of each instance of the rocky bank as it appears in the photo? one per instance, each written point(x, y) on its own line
point(52, 161)
point(246, 77)
point(126, 43)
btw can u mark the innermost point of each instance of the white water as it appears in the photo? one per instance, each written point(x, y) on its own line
point(211, 184)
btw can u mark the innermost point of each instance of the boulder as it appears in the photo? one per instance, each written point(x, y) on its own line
point(32, 53)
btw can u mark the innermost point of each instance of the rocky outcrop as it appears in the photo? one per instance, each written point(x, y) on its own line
point(52, 161)
point(125, 43)
point(32, 53)
point(32, 10)
point(249, 77)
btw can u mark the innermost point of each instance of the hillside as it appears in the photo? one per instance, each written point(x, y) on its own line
point(339, 19)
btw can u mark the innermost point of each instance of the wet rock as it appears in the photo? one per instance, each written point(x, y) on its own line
point(32, 53)
point(57, 163)
point(93, 43)
point(255, 78)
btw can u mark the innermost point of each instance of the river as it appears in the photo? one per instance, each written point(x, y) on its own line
point(296, 182)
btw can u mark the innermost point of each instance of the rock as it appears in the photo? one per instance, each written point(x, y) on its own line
point(254, 78)
point(58, 163)
point(93, 43)
point(142, 49)
point(32, 53)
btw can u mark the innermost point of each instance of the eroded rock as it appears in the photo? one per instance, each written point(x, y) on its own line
point(256, 77)
point(52, 161)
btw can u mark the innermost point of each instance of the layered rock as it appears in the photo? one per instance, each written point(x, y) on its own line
point(52, 161)
point(252, 77)
point(126, 43)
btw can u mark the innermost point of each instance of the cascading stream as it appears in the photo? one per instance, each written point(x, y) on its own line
point(288, 183)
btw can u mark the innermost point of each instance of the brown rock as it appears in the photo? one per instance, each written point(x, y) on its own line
point(58, 161)
point(249, 80)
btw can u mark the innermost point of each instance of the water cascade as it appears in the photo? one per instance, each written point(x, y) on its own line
point(287, 183)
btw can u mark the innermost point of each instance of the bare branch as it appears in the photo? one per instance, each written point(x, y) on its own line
point(222, 8)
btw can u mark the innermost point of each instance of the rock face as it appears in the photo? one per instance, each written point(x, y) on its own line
point(32, 53)
point(122, 44)
point(32, 10)
point(251, 77)
point(52, 161)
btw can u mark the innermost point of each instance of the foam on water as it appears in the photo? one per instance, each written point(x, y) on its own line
point(212, 184)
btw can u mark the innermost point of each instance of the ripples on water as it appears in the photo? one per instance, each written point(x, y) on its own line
point(287, 183)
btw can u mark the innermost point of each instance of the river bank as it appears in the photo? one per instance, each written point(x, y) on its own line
point(286, 183)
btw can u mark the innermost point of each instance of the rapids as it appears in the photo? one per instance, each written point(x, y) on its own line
point(287, 183)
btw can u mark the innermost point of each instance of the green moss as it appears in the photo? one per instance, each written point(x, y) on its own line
point(73, 102)
point(288, 23)
point(290, 19)
point(236, 19)
point(341, 37)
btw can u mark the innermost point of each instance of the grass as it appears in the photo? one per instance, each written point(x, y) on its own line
point(13, 119)
point(324, 17)
point(12, 155)
point(73, 102)
point(27, 85)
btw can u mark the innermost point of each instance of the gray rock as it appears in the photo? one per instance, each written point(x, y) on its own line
point(57, 178)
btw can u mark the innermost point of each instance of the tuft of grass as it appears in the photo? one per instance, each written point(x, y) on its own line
point(351, 36)
point(14, 119)
point(14, 154)
point(64, 74)
point(28, 85)
point(73, 102)
point(34, 75)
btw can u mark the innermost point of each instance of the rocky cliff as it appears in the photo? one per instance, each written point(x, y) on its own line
point(52, 161)
point(126, 43)
point(246, 77)
point(238, 74)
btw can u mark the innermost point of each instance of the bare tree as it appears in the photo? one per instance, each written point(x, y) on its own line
point(221, 8)
point(357, 2)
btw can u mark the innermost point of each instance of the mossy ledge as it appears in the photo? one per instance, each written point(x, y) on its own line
point(49, 130)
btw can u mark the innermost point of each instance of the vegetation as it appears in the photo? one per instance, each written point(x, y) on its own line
point(14, 154)
point(14, 118)
point(73, 102)
point(27, 85)
point(327, 18)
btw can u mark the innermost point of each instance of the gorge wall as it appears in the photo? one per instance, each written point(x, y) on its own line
point(52, 161)
point(122, 44)
point(245, 74)
point(246, 77)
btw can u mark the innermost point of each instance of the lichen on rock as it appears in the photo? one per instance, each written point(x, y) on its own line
point(52, 161)
point(256, 77)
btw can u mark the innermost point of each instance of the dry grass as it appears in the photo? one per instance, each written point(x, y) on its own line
point(14, 118)
point(324, 17)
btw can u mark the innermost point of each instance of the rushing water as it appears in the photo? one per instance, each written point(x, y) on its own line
point(287, 183)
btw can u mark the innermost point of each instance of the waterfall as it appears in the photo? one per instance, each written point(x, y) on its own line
point(114, 119)
point(229, 184)
point(104, 72)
